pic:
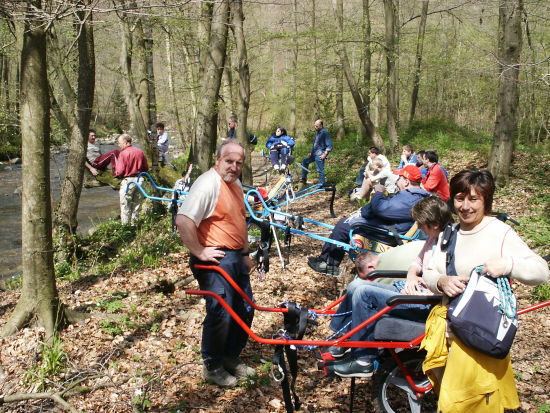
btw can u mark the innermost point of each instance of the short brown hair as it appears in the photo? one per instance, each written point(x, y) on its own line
point(408, 148)
point(480, 180)
point(432, 211)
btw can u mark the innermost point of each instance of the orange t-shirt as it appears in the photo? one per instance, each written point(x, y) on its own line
point(218, 210)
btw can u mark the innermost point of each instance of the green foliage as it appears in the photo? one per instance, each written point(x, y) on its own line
point(10, 137)
point(544, 408)
point(117, 326)
point(54, 361)
point(540, 293)
point(67, 271)
point(444, 136)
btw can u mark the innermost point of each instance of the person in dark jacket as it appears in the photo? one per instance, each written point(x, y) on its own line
point(322, 145)
point(382, 211)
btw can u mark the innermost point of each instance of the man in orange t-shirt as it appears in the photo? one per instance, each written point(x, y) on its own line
point(212, 226)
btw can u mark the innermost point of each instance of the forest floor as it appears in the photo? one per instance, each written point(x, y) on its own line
point(146, 356)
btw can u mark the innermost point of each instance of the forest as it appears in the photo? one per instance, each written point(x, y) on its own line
point(90, 325)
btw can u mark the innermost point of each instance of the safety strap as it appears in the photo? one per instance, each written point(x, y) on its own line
point(288, 241)
point(395, 235)
point(174, 210)
point(295, 321)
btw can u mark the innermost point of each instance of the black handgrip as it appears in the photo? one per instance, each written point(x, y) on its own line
point(414, 299)
point(387, 274)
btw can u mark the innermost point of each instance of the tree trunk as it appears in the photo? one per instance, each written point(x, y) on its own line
point(214, 59)
point(294, 62)
point(147, 102)
point(340, 128)
point(244, 84)
point(133, 97)
point(358, 99)
point(184, 138)
point(391, 72)
point(418, 58)
point(316, 103)
point(65, 217)
point(367, 50)
point(509, 51)
point(39, 293)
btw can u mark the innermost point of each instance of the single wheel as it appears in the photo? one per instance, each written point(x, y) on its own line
point(393, 393)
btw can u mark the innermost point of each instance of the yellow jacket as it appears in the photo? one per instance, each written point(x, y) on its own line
point(472, 381)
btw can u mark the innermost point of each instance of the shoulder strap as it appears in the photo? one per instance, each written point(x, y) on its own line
point(448, 244)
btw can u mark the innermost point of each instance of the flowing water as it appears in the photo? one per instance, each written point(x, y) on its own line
point(96, 205)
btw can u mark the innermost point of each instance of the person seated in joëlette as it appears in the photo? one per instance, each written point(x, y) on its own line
point(280, 146)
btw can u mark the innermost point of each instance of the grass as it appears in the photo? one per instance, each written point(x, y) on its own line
point(53, 362)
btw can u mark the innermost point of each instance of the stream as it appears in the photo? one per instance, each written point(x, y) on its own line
point(96, 205)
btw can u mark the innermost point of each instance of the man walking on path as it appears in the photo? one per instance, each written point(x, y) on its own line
point(212, 226)
point(322, 145)
point(95, 161)
point(130, 162)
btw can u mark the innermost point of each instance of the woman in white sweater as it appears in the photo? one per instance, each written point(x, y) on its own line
point(472, 381)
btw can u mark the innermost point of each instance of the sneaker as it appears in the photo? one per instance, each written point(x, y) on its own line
point(338, 352)
point(276, 166)
point(237, 368)
point(219, 376)
point(319, 265)
point(351, 367)
point(283, 166)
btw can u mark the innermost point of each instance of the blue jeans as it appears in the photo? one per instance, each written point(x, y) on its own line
point(319, 163)
point(367, 299)
point(221, 335)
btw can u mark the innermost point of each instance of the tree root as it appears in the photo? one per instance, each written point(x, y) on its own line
point(18, 397)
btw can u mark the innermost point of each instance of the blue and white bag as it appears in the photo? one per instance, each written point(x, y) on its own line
point(484, 316)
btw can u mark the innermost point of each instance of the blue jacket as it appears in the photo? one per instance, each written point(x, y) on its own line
point(274, 140)
point(321, 143)
point(396, 210)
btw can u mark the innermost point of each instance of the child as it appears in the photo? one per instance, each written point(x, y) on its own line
point(407, 157)
point(279, 145)
point(380, 175)
point(162, 141)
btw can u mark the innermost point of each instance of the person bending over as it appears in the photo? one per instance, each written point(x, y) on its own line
point(95, 160)
point(369, 297)
point(382, 211)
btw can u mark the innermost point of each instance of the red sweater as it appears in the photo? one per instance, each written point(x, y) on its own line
point(131, 161)
point(436, 181)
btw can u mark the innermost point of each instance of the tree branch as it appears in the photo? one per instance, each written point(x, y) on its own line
point(18, 397)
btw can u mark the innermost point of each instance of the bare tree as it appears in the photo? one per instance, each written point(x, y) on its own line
point(360, 101)
point(509, 51)
point(82, 103)
point(213, 59)
point(390, 16)
point(418, 58)
point(148, 100)
point(244, 83)
point(39, 296)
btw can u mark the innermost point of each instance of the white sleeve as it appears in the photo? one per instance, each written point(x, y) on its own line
point(202, 198)
point(523, 264)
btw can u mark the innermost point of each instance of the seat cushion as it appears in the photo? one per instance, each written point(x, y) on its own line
point(397, 329)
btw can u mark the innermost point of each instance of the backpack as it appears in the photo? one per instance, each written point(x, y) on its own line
point(484, 315)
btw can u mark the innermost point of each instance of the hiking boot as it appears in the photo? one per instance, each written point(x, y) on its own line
point(351, 367)
point(302, 185)
point(237, 368)
point(338, 352)
point(319, 265)
point(219, 376)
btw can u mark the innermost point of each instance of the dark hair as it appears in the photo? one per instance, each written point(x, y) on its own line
point(375, 150)
point(92, 131)
point(432, 211)
point(480, 180)
point(283, 130)
point(432, 156)
point(233, 118)
point(419, 155)
point(160, 125)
